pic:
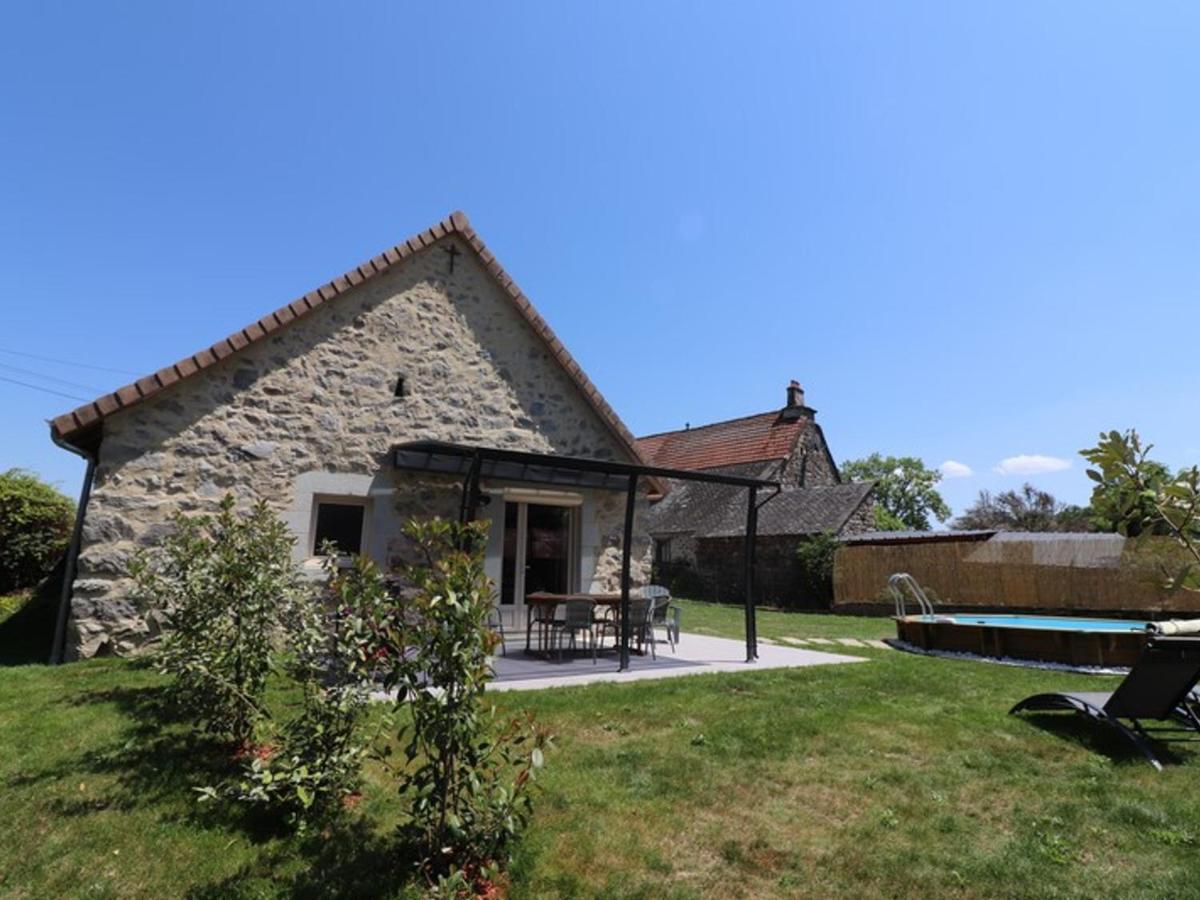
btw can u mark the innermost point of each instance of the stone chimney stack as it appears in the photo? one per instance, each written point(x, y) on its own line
point(796, 408)
point(795, 394)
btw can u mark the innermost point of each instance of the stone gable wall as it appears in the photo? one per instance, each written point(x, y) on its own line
point(809, 462)
point(862, 519)
point(317, 396)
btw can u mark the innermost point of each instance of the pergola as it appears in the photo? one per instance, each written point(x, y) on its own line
point(475, 463)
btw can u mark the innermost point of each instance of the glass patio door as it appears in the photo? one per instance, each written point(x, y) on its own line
point(540, 554)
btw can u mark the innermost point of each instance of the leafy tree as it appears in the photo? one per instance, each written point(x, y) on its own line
point(1028, 509)
point(905, 493)
point(1073, 517)
point(35, 528)
point(1145, 502)
point(1116, 505)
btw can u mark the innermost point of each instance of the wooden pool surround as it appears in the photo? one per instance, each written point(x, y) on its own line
point(1075, 648)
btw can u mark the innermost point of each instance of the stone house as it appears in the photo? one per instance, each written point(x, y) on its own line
point(429, 341)
point(698, 529)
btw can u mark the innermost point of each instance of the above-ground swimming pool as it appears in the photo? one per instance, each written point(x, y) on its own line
point(1061, 639)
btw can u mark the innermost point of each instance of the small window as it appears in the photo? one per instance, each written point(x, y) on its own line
point(400, 390)
point(341, 523)
point(662, 550)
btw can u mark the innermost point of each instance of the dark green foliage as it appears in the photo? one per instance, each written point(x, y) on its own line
point(1131, 490)
point(905, 493)
point(35, 528)
point(815, 556)
point(1118, 504)
point(466, 778)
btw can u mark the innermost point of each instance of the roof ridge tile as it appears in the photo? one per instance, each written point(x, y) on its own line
point(457, 223)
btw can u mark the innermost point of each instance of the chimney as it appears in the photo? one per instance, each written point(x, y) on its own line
point(795, 394)
point(795, 408)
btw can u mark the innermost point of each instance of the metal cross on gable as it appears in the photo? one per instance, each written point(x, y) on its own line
point(452, 252)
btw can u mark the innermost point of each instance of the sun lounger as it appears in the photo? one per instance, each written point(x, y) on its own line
point(1158, 687)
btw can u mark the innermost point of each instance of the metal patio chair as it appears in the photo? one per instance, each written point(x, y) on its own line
point(1159, 686)
point(542, 618)
point(666, 614)
point(578, 617)
point(641, 618)
point(641, 623)
point(495, 621)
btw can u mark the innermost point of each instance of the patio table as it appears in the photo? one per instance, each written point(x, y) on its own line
point(544, 599)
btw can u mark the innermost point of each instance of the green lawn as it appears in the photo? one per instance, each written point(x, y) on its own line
point(900, 777)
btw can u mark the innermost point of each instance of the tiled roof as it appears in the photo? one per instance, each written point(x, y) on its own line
point(758, 438)
point(85, 417)
point(720, 511)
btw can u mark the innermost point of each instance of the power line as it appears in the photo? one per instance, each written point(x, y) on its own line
point(21, 371)
point(42, 389)
point(67, 362)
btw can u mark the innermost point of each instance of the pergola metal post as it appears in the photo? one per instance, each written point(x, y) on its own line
point(502, 465)
point(470, 497)
point(626, 559)
point(751, 622)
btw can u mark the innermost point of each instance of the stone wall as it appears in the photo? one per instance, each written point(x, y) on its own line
point(862, 519)
point(317, 397)
point(809, 465)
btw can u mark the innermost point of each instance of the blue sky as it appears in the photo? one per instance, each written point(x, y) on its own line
point(970, 230)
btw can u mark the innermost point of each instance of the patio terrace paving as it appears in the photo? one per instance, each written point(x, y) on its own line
point(696, 655)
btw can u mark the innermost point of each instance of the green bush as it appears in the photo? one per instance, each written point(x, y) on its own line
point(35, 528)
point(311, 763)
point(815, 555)
point(220, 583)
point(466, 778)
point(235, 614)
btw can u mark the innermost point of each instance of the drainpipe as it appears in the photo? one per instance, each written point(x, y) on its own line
point(58, 647)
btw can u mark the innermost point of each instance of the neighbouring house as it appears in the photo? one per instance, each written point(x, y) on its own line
point(698, 529)
point(305, 408)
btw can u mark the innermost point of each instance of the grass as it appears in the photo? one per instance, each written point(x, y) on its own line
point(901, 777)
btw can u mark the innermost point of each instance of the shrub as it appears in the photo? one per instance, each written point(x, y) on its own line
point(1137, 494)
point(314, 761)
point(235, 612)
point(220, 584)
point(466, 780)
point(815, 555)
point(35, 528)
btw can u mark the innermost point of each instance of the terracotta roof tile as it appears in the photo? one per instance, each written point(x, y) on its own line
point(758, 438)
point(69, 424)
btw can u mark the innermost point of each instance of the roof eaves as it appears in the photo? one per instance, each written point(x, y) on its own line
point(84, 417)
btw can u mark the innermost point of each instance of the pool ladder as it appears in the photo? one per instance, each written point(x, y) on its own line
point(902, 583)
